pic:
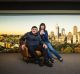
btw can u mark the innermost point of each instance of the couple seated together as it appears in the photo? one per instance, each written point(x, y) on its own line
point(39, 39)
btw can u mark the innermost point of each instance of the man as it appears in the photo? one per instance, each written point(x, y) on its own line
point(32, 40)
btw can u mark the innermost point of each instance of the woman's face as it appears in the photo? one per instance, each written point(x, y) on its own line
point(42, 27)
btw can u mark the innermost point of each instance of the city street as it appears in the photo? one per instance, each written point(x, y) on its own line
point(12, 63)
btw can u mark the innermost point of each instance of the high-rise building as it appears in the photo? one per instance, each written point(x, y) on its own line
point(75, 30)
point(62, 39)
point(63, 31)
point(74, 39)
point(69, 37)
point(78, 36)
point(52, 37)
point(57, 30)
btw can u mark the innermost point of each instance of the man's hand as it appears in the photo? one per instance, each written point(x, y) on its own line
point(23, 46)
point(45, 46)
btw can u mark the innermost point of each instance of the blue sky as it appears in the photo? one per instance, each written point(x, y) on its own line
point(20, 24)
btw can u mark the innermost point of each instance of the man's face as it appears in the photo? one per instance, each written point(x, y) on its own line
point(34, 30)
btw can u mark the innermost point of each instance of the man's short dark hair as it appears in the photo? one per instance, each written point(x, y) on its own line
point(34, 27)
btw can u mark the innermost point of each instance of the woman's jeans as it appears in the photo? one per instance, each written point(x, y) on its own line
point(53, 50)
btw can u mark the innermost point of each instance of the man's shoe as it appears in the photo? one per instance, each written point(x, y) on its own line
point(49, 63)
point(41, 61)
point(52, 60)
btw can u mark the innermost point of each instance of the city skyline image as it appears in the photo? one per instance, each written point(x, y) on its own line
point(63, 38)
point(20, 24)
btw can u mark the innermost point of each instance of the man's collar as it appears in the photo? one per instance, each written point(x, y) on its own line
point(34, 34)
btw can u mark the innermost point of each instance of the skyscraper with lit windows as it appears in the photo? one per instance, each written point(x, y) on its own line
point(75, 29)
point(63, 31)
point(57, 31)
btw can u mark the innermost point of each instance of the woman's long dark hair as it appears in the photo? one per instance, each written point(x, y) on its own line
point(42, 24)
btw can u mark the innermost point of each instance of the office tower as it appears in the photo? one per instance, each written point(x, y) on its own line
point(69, 38)
point(75, 30)
point(63, 31)
point(78, 37)
point(74, 39)
point(57, 31)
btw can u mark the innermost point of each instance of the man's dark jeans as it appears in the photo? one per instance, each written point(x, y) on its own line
point(47, 55)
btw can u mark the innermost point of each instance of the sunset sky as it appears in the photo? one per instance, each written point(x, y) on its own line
point(20, 24)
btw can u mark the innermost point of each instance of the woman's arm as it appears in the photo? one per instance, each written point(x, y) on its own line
point(42, 42)
point(46, 35)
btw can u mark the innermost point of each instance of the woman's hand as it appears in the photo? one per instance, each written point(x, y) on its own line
point(45, 46)
point(41, 32)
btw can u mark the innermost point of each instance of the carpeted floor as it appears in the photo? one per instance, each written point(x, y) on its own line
point(12, 63)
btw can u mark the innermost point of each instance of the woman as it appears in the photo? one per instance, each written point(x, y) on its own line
point(44, 36)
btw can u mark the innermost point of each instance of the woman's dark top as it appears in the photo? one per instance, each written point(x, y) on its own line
point(44, 37)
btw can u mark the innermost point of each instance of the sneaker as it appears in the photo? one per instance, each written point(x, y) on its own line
point(61, 60)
